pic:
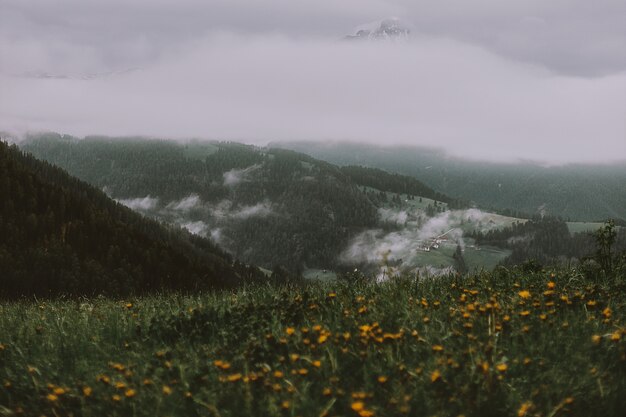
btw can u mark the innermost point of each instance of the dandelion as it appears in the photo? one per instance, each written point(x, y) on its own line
point(524, 408)
point(285, 405)
point(484, 367)
point(130, 393)
point(278, 374)
point(382, 379)
point(166, 390)
point(437, 348)
point(357, 406)
point(551, 285)
point(596, 339)
point(607, 313)
point(52, 398)
point(234, 377)
point(502, 367)
point(435, 376)
point(116, 398)
point(58, 391)
point(290, 331)
point(87, 391)
point(317, 364)
point(616, 336)
point(322, 339)
point(524, 294)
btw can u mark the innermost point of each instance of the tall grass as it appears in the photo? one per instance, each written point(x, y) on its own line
point(492, 344)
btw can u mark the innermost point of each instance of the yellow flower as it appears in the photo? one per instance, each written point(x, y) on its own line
point(285, 405)
point(484, 367)
point(366, 413)
point(278, 374)
point(551, 285)
point(290, 331)
point(616, 336)
point(524, 294)
point(437, 348)
point(502, 367)
point(58, 391)
point(524, 313)
point(52, 397)
point(524, 408)
point(357, 406)
point(327, 392)
point(435, 376)
point(322, 339)
point(166, 390)
point(116, 398)
point(596, 339)
point(234, 377)
point(87, 391)
point(317, 364)
point(607, 313)
point(303, 371)
point(130, 393)
point(382, 379)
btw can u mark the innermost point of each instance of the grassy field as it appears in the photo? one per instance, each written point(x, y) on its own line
point(580, 227)
point(498, 344)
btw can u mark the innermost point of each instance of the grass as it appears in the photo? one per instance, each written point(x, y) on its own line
point(583, 227)
point(492, 344)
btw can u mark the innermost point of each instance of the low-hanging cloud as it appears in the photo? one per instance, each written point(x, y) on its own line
point(235, 176)
point(186, 204)
point(140, 204)
point(400, 247)
point(261, 88)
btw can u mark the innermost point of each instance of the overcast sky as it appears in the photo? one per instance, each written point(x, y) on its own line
point(532, 79)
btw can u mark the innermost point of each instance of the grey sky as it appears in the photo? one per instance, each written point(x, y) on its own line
point(490, 79)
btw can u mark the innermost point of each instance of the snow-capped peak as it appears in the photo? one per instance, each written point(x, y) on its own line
point(387, 29)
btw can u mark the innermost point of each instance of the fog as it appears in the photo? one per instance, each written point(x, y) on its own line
point(521, 80)
point(401, 247)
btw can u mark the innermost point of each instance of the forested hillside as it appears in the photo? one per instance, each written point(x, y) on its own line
point(266, 207)
point(578, 192)
point(59, 235)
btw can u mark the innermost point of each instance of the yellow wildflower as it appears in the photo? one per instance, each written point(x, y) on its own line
point(524, 408)
point(435, 376)
point(357, 406)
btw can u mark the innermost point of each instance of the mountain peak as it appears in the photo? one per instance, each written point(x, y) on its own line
point(386, 29)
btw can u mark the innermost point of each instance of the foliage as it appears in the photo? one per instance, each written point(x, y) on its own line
point(506, 343)
point(578, 192)
point(59, 235)
point(314, 207)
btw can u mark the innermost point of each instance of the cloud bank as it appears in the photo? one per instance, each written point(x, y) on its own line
point(492, 80)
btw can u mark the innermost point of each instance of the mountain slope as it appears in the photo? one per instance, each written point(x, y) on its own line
point(59, 235)
point(580, 192)
point(267, 207)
